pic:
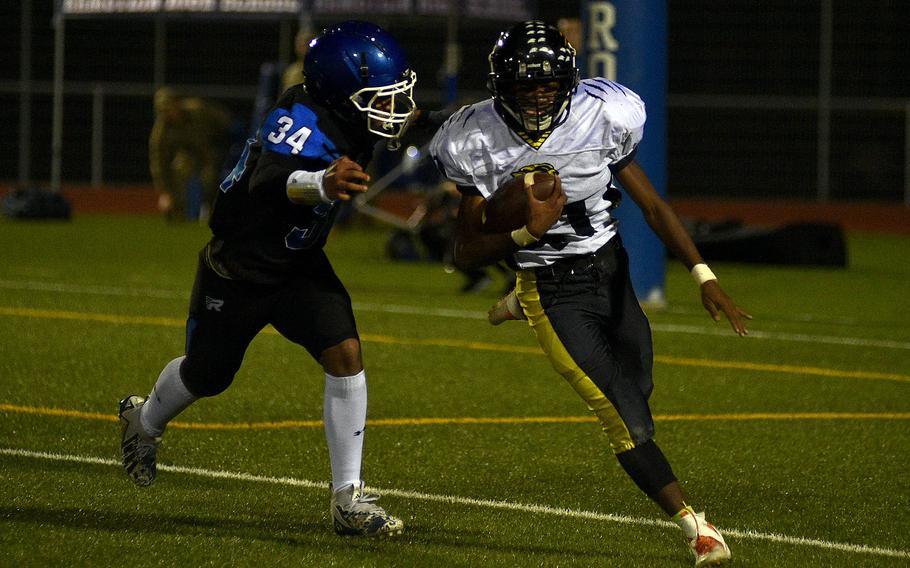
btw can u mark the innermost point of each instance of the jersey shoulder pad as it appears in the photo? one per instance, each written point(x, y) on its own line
point(619, 108)
point(452, 144)
point(294, 127)
point(621, 104)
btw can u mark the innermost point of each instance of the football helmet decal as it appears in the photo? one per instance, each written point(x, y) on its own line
point(531, 168)
point(358, 70)
point(532, 75)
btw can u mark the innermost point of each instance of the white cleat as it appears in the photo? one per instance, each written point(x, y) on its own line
point(139, 450)
point(708, 546)
point(507, 308)
point(355, 513)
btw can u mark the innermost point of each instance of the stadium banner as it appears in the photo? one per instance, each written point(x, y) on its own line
point(477, 9)
point(214, 8)
point(626, 42)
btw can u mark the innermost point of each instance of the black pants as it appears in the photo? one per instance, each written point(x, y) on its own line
point(312, 310)
point(591, 327)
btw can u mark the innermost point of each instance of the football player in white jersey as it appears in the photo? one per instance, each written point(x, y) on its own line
point(573, 282)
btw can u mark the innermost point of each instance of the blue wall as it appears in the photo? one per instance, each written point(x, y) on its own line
point(626, 41)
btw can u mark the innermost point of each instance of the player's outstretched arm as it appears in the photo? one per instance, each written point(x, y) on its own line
point(343, 178)
point(664, 222)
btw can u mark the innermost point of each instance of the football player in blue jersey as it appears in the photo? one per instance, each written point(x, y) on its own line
point(265, 262)
point(573, 283)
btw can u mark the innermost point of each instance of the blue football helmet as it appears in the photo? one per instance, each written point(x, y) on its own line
point(358, 70)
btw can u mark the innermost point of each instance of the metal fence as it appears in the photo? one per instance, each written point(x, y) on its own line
point(823, 142)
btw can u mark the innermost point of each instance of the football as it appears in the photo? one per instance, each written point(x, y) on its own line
point(507, 208)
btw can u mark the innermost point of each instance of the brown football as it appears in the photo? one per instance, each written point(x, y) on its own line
point(507, 208)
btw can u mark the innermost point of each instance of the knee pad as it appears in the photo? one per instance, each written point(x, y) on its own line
point(647, 467)
point(206, 378)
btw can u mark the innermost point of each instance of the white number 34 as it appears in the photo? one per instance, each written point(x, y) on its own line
point(295, 140)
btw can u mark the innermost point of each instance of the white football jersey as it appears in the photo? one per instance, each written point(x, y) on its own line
point(475, 147)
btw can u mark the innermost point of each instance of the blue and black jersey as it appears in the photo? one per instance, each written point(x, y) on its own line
point(258, 234)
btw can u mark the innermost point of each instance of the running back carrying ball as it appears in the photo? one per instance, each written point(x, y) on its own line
point(507, 208)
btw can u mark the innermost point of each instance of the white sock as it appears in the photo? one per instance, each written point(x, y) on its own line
point(687, 521)
point(345, 415)
point(168, 398)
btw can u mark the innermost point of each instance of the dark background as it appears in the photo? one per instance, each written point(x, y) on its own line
point(743, 82)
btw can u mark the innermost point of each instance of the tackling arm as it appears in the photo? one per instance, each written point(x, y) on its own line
point(304, 184)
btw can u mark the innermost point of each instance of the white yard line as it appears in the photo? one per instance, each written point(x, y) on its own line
point(483, 503)
point(93, 290)
point(421, 311)
point(724, 331)
point(721, 330)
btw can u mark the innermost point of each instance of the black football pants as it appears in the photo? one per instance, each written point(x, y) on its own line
point(591, 327)
point(312, 310)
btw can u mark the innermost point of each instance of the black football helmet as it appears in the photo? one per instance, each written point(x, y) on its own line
point(525, 56)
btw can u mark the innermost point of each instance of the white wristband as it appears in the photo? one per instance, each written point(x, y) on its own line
point(306, 188)
point(523, 237)
point(701, 273)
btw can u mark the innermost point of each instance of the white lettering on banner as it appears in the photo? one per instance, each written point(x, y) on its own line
point(602, 46)
point(189, 5)
point(200, 6)
point(109, 6)
point(270, 6)
point(498, 9)
point(363, 6)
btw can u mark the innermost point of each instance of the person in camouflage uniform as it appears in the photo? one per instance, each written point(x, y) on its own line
point(189, 140)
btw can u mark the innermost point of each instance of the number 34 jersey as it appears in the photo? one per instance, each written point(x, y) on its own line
point(476, 148)
point(259, 235)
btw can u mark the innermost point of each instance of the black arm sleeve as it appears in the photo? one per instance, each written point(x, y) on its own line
point(467, 190)
point(431, 120)
point(435, 118)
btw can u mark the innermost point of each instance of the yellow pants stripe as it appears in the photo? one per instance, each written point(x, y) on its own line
point(613, 425)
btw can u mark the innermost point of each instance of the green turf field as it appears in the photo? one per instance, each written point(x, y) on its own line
point(795, 440)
